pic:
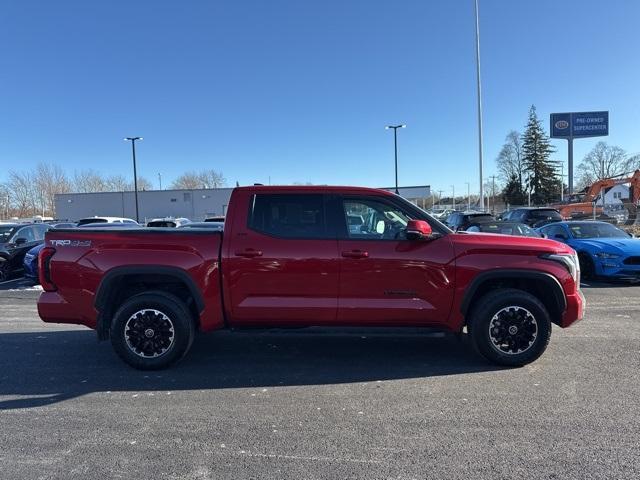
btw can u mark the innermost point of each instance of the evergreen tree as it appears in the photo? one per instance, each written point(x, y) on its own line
point(536, 148)
point(513, 194)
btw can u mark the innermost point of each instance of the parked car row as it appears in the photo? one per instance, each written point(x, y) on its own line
point(20, 243)
point(604, 250)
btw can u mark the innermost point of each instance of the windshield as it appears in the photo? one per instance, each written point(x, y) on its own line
point(5, 233)
point(596, 230)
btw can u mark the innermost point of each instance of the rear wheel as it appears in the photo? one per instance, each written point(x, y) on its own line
point(152, 330)
point(510, 327)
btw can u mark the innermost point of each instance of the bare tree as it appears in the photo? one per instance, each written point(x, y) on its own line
point(23, 193)
point(187, 181)
point(117, 183)
point(50, 180)
point(605, 161)
point(88, 181)
point(143, 184)
point(203, 179)
point(509, 161)
point(212, 179)
point(6, 211)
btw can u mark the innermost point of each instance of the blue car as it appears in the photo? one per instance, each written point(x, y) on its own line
point(30, 262)
point(604, 250)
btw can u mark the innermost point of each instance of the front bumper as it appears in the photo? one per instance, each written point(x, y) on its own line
point(574, 312)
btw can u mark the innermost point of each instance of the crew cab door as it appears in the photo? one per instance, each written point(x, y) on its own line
point(282, 260)
point(386, 279)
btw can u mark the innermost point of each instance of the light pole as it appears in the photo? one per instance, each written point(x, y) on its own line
point(479, 83)
point(395, 147)
point(453, 196)
point(135, 173)
point(468, 196)
point(493, 191)
point(160, 180)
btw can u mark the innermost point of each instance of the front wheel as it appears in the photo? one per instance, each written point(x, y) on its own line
point(152, 330)
point(510, 327)
point(4, 269)
point(587, 268)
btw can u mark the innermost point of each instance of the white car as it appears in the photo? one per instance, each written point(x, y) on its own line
point(168, 222)
point(85, 221)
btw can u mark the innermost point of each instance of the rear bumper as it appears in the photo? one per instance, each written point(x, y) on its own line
point(52, 308)
point(574, 312)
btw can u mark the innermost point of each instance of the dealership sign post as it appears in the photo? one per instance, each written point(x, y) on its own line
point(578, 125)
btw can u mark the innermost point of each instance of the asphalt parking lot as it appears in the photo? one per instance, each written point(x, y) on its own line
point(300, 405)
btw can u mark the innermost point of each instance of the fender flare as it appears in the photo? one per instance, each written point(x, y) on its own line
point(549, 280)
point(109, 279)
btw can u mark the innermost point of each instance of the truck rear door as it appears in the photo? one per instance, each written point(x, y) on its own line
point(281, 260)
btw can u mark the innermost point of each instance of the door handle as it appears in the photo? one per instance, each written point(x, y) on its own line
point(249, 253)
point(355, 254)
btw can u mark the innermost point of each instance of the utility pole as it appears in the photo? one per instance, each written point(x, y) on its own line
point(453, 196)
point(135, 173)
point(468, 195)
point(395, 147)
point(479, 83)
point(440, 192)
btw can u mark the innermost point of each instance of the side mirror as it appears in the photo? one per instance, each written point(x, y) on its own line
point(20, 241)
point(418, 230)
point(560, 236)
point(544, 235)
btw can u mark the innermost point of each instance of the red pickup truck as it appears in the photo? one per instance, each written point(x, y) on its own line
point(309, 256)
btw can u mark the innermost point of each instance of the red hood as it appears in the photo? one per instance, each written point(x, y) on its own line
point(505, 244)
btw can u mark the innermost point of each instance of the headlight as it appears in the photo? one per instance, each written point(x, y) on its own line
point(607, 255)
point(569, 261)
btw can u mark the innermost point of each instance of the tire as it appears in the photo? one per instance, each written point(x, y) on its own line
point(151, 331)
point(4, 269)
point(587, 268)
point(492, 325)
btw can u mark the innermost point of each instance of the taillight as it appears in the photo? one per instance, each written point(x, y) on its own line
point(44, 269)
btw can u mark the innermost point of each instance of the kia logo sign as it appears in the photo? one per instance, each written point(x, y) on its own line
point(561, 124)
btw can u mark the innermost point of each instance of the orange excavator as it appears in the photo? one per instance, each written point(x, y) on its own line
point(584, 208)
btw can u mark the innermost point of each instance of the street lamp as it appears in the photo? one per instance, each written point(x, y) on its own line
point(135, 174)
point(395, 146)
point(453, 196)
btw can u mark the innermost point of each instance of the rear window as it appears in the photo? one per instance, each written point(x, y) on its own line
point(162, 224)
point(480, 217)
point(289, 216)
point(546, 214)
point(86, 221)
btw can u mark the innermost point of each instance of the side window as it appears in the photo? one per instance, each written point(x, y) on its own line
point(289, 215)
point(555, 230)
point(374, 219)
point(40, 230)
point(26, 233)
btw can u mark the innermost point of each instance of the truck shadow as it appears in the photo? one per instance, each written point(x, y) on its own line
point(44, 368)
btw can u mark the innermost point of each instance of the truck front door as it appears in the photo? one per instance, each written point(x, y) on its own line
point(386, 279)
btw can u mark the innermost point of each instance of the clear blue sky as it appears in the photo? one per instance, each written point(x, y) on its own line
point(301, 90)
